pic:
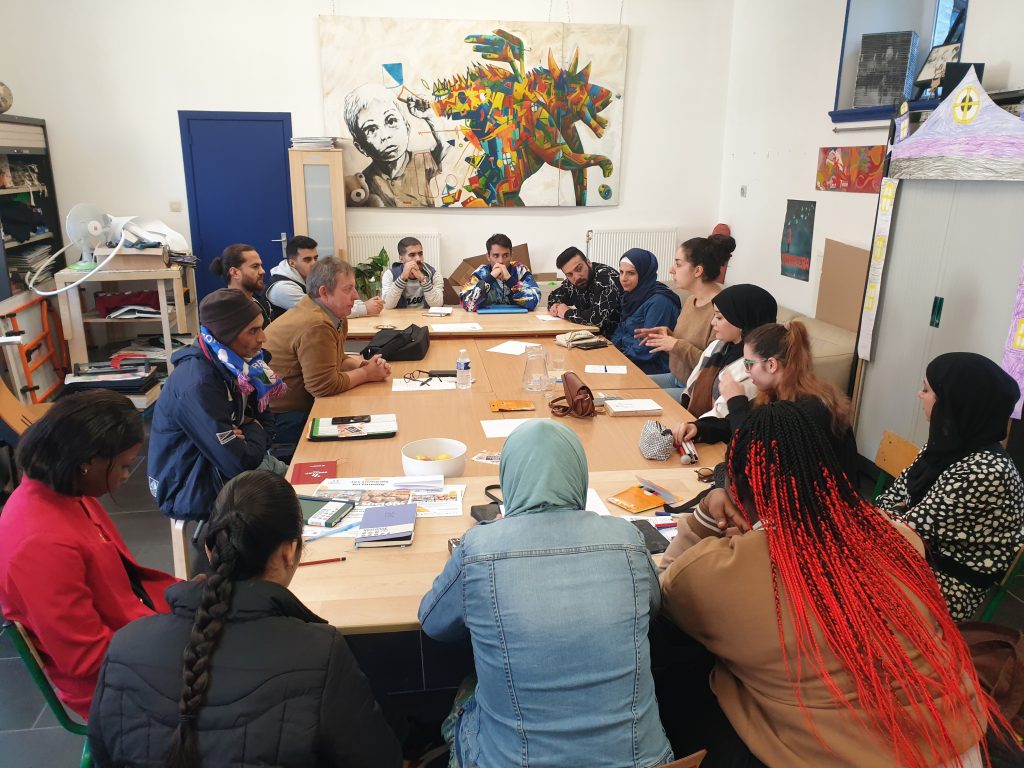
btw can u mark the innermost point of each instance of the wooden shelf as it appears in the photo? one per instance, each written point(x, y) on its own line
point(92, 317)
point(11, 243)
point(19, 190)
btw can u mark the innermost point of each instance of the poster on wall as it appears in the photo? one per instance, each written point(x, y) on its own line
point(850, 169)
point(879, 248)
point(797, 236)
point(460, 113)
point(1013, 353)
point(968, 137)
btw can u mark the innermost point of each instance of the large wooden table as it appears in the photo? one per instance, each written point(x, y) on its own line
point(515, 325)
point(379, 590)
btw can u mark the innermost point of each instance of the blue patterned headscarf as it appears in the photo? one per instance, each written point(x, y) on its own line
point(253, 375)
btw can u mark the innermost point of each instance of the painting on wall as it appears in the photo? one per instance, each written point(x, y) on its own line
point(850, 169)
point(475, 113)
point(797, 236)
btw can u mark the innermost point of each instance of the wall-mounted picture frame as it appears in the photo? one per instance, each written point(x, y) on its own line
point(935, 63)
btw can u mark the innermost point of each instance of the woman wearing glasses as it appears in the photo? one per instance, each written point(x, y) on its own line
point(739, 309)
point(777, 360)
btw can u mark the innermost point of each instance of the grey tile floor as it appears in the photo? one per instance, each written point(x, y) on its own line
point(30, 736)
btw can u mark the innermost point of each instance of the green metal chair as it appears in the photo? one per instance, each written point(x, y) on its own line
point(23, 645)
point(1004, 588)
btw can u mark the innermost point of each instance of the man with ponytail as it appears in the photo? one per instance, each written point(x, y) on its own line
point(241, 672)
point(833, 642)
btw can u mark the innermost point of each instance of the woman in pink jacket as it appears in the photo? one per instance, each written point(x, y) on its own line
point(65, 572)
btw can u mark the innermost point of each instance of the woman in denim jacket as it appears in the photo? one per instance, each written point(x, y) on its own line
point(557, 602)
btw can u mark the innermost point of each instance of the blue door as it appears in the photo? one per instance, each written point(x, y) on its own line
point(236, 175)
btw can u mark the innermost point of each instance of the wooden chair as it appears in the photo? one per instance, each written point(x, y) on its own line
point(894, 455)
point(15, 415)
point(26, 650)
point(180, 549)
point(1004, 588)
point(690, 761)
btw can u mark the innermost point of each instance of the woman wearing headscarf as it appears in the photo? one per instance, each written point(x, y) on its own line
point(739, 309)
point(557, 603)
point(963, 495)
point(646, 303)
point(833, 643)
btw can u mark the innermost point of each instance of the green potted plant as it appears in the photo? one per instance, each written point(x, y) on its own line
point(368, 274)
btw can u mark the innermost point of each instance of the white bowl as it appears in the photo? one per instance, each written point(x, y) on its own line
point(434, 446)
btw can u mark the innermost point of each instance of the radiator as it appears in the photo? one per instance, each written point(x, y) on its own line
point(607, 246)
point(363, 246)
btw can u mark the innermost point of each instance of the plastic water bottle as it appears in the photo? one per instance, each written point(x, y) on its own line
point(463, 376)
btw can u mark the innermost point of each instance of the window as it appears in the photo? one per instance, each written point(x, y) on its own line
point(936, 22)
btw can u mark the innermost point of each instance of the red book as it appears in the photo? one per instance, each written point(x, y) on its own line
point(310, 472)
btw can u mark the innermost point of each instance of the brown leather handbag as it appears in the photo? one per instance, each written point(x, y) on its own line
point(577, 401)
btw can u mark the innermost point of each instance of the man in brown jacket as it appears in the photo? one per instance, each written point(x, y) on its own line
point(307, 344)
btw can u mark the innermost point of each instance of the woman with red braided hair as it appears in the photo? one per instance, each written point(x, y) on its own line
point(833, 644)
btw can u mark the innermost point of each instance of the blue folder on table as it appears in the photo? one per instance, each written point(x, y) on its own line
point(501, 309)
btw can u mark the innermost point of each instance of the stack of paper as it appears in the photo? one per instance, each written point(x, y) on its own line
point(638, 407)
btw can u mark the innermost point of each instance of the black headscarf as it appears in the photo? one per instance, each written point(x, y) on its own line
point(747, 307)
point(974, 398)
point(648, 284)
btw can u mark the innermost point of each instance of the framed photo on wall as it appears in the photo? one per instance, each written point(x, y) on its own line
point(935, 64)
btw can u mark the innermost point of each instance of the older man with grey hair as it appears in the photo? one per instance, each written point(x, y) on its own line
point(308, 347)
point(396, 176)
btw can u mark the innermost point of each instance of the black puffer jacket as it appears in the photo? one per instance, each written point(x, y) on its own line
point(285, 690)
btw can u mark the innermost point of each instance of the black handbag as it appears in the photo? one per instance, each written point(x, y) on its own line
point(393, 345)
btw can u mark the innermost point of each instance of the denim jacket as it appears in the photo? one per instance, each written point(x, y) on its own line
point(557, 605)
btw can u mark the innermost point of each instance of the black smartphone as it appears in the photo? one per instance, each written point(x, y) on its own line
point(365, 419)
point(656, 543)
point(484, 512)
point(446, 374)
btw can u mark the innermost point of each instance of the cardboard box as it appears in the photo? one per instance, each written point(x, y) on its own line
point(844, 270)
point(133, 258)
point(467, 267)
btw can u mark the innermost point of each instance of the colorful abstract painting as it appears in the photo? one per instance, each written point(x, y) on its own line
point(476, 113)
point(850, 169)
point(797, 236)
point(968, 137)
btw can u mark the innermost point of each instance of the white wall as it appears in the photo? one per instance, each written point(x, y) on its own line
point(992, 36)
point(782, 81)
point(113, 74)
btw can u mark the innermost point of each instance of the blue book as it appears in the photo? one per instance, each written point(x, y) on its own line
point(390, 526)
point(501, 309)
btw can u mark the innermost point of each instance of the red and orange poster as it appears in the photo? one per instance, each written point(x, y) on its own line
point(850, 169)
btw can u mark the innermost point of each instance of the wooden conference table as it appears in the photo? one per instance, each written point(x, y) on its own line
point(378, 590)
point(511, 326)
point(373, 594)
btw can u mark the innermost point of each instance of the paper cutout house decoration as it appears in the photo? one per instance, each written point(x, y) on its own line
point(967, 138)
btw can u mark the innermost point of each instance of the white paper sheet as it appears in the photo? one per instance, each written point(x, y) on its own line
point(619, 369)
point(455, 327)
point(512, 347)
point(501, 427)
point(437, 385)
point(547, 318)
point(595, 503)
point(641, 405)
point(439, 311)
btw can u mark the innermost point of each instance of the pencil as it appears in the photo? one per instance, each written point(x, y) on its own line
point(319, 562)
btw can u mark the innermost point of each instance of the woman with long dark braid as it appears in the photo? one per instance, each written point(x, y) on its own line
point(261, 679)
point(833, 642)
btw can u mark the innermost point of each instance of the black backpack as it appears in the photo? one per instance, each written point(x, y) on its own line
point(393, 345)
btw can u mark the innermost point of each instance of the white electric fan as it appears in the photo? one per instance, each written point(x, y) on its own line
point(88, 227)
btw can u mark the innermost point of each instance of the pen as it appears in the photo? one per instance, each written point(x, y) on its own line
point(332, 531)
point(327, 560)
point(656, 525)
point(606, 369)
